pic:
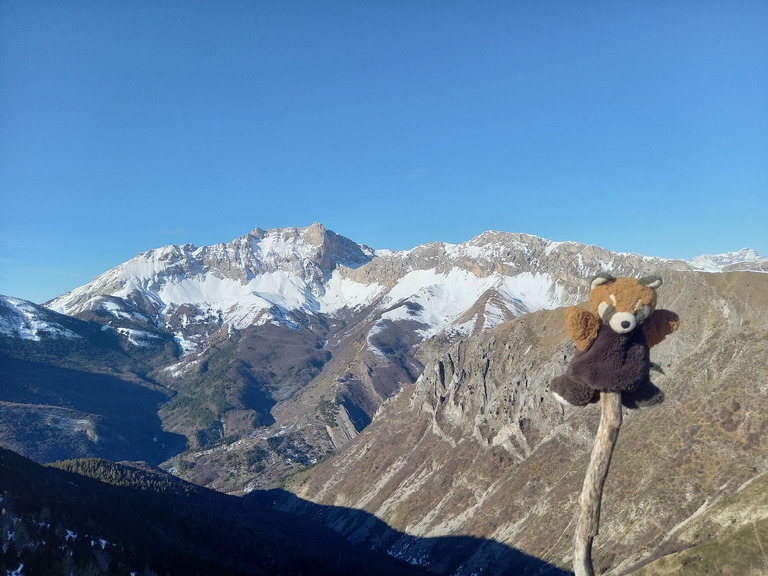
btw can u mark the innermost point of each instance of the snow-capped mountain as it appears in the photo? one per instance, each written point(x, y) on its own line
point(73, 388)
point(744, 259)
point(261, 277)
point(281, 274)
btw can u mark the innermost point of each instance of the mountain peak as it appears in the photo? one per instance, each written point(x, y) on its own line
point(313, 243)
point(746, 258)
point(283, 267)
point(315, 234)
point(281, 275)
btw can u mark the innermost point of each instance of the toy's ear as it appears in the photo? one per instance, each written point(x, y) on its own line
point(651, 281)
point(602, 278)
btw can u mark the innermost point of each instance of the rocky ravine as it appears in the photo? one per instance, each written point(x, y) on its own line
point(478, 447)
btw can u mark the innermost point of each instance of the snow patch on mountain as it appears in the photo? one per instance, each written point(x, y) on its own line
point(435, 300)
point(719, 262)
point(138, 337)
point(25, 320)
point(239, 303)
point(535, 291)
point(341, 293)
point(441, 301)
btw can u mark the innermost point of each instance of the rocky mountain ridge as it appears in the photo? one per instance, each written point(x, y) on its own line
point(268, 276)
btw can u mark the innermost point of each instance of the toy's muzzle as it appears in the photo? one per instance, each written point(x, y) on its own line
point(622, 322)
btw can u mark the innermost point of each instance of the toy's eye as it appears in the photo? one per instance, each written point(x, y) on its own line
point(605, 311)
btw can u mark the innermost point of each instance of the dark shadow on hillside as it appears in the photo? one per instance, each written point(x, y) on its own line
point(51, 413)
point(122, 519)
point(272, 363)
point(441, 555)
point(257, 397)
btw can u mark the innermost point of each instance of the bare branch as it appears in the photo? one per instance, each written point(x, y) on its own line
point(592, 491)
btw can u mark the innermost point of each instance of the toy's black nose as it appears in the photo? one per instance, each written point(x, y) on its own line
point(625, 324)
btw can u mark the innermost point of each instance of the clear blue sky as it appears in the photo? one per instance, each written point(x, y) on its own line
point(129, 125)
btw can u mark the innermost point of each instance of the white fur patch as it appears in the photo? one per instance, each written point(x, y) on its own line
point(650, 407)
point(617, 320)
point(561, 399)
point(599, 280)
point(654, 283)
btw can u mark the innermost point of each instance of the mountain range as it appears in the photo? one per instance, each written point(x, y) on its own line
point(410, 385)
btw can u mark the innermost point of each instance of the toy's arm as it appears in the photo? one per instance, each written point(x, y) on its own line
point(659, 325)
point(582, 326)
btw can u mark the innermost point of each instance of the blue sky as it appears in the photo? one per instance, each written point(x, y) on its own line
point(129, 125)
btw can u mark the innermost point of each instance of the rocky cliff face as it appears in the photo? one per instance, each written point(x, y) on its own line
point(479, 447)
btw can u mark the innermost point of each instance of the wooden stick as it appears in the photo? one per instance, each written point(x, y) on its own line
point(592, 491)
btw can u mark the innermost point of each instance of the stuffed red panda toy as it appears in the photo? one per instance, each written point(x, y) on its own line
point(613, 343)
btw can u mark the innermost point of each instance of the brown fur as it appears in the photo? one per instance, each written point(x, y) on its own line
point(582, 326)
point(659, 325)
point(627, 292)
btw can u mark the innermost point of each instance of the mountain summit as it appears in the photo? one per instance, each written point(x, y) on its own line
point(286, 269)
